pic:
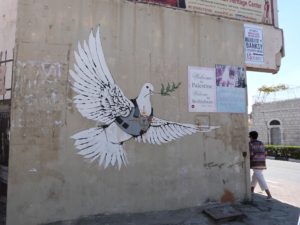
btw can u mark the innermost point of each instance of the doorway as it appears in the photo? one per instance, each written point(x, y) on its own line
point(275, 132)
point(275, 136)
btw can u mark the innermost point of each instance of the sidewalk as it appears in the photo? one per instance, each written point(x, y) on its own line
point(257, 212)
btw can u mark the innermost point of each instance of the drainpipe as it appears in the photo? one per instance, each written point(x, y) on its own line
point(247, 181)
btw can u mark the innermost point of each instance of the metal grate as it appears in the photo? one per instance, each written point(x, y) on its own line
point(6, 66)
point(288, 94)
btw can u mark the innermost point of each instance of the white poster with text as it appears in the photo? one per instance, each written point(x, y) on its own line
point(253, 44)
point(201, 89)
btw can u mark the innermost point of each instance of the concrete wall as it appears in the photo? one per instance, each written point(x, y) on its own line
point(286, 112)
point(8, 17)
point(48, 181)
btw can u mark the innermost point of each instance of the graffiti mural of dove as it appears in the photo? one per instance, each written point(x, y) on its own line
point(118, 118)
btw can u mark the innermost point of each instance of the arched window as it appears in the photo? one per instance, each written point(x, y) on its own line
point(274, 122)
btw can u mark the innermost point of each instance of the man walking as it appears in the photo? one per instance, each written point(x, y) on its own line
point(258, 163)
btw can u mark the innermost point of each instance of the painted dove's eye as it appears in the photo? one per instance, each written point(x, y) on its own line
point(147, 87)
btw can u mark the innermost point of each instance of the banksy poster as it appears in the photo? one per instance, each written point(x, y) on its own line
point(253, 44)
point(2, 79)
point(231, 93)
point(202, 89)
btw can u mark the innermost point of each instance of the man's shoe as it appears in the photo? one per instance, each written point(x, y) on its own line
point(269, 198)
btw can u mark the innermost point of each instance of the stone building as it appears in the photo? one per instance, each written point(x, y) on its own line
point(277, 120)
point(157, 43)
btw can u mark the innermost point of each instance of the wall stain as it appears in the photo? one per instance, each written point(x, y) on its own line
point(227, 196)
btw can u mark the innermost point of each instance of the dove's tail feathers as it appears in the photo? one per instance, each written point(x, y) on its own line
point(93, 144)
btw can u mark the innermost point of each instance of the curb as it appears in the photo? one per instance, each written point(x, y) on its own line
point(289, 159)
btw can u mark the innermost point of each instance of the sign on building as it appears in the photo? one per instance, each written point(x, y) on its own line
point(219, 89)
point(202, 89)
point(253, 44)
point(258, 11)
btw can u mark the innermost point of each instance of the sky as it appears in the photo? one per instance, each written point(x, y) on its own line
point(288, 12)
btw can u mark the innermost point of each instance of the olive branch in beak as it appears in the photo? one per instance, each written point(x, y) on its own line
point(164, 91)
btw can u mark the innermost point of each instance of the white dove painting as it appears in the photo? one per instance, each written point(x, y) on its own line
point(118, 119)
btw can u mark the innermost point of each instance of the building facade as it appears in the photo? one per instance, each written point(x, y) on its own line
point(277, 122)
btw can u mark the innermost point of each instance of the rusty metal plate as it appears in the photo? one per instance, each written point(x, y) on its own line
point(223, 213)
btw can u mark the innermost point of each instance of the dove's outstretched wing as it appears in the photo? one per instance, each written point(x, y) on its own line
point(99, 98)
point(162, 131)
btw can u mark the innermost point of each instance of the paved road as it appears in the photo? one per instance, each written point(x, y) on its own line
point(283, 178)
